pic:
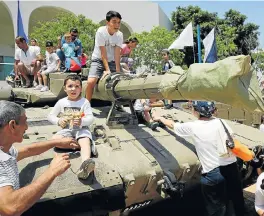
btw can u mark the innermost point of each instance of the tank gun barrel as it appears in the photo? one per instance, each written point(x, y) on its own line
point(230, 81)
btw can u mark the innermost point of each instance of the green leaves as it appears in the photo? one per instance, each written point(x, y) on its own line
point(61, 24)
point(150, 46)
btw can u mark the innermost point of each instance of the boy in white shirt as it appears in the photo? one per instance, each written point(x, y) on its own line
point(106, 54)
point(220, 179)
point(53, 64)
point(75, 118)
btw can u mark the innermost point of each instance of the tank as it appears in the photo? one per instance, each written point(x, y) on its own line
point(135, 166)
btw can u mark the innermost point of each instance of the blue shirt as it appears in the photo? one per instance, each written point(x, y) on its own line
point(77, 42)
point(68, 49)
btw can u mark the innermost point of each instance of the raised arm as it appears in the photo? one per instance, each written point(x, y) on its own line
point(15, 202)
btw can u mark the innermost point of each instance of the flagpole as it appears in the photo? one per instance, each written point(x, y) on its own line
point(193, 55)
point(199, 44)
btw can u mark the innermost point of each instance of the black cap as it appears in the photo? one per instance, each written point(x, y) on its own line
point(49, 44)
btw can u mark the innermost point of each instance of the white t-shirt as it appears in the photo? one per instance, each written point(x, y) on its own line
point(103, 38)
point(28, 56)
point(259, 194)
point(9, 175)
point(138, 106)
point(64, 105)
point(205, 136)
point(261, 127)
point(51, 60)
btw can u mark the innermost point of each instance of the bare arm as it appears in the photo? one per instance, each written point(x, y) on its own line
point(167, 122)
point(117, 58)
point(104, 58)
point(40, 147)
point(15, 202)
point(16, 67)
point(158, 103)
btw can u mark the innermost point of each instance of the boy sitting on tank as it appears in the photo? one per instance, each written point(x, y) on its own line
point(52, 65)
point(74, 114)
point(143, 111)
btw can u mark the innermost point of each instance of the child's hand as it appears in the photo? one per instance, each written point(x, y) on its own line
point(77, 121)
point(63, 122)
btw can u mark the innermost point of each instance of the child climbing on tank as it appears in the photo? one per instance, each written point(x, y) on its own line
point(143, 111)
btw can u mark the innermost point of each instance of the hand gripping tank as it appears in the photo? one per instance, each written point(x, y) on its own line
point(135, 166)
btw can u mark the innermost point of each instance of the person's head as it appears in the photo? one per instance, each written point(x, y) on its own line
point(33, 42)
point(203, 109)
point(40, 58)
point(73, 86)
point(13, 121)
point(74, 33)
point(113, 21)
point(68, 37)
point(132, 42)
point(165, 54)
point(49, 46)
point(21, 42)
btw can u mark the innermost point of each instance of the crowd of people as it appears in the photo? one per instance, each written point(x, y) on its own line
point(220, 178)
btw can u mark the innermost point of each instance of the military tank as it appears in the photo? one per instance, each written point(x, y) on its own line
point(135, 166)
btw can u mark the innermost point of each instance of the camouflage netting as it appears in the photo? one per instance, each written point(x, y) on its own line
point(230, 81)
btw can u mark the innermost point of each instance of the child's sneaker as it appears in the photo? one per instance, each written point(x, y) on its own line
point(44, 88)
point(153, 125)
point(35, 84)
point(86, 168)
point(39, 87)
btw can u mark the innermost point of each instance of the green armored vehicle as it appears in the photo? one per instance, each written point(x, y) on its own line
point(135, 166)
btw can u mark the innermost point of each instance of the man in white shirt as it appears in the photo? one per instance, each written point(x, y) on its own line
point(13, 124)
point(220, 179)
point(106, 54)
point(26, 60)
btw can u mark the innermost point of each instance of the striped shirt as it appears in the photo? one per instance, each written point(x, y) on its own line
point(9, 175)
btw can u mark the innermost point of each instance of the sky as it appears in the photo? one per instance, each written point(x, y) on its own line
point(254, 10)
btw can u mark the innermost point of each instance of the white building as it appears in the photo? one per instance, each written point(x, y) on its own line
point(137, 16)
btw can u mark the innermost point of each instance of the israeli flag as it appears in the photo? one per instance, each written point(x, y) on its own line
point(20, 28)
point(210, 55)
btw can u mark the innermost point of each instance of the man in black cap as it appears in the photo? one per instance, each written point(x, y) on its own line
point(77, 42)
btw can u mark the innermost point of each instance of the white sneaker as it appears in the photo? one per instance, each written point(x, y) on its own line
point(44, 88)
point(35, 84)
point(86, 168)
point(39, 87)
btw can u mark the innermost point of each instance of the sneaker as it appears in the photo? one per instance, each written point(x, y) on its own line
point(86, 168)
point(35, 84)
point(161, 125)
point(168, 106)
point(44, 88)
point(38, 87)
point(153, 125)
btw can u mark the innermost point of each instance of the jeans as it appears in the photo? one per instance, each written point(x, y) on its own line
point(61, 56)
point(221, 185)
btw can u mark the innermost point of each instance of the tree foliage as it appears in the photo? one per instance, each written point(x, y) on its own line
point(233, 35)
point(61, 24)
point(150, 46)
